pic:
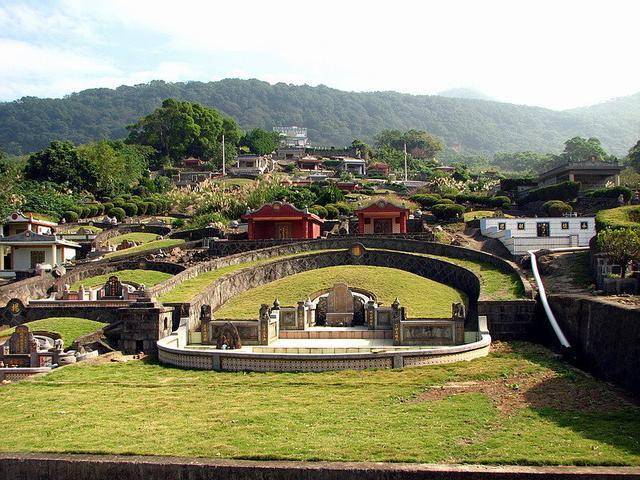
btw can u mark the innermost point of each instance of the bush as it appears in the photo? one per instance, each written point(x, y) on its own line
point(93, 209)
point(142, 207)
point(150, 208)
point(426, 200)
point(204, 220)
point(178, 223)
point(131, 209)
point(446, 201)
point(509, 184)
point(613, 192)
point(500, 201)
point(118, 202)
point(100, 208)
point(565, 191)
point(107, 206)
point(319, 210)
point(332, 211)
point(70, 216)
point(77, 208)
point(117, 212)
point(556, 208)
point(621, 217)
point(445, 211)
point(344, 208)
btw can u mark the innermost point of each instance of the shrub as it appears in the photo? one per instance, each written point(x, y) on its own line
point(627, 216)
point(70, 216)
point(344, 208)
point(117, 212)
point(445, 211)
point(621, 245)
point(561, 191)
point(76, 208)
point(446, 201)
point(509, 184)
point(556, 208)
point(613, 192)
point(151, 208)
point(319, 210)
point(332, 211)
point(142, 207)
point(178, 222)
point(86, 211)
point(100, 208)
point(131, 209)
point(118, 202)
point(107, 206)
point(427, 200)
point(93, 209)
point(204, 220)
point(500, 201)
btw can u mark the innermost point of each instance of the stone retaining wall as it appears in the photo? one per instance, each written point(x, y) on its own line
point(109, 467)
point(510, 319)
point(32, 287)
point(605, 336)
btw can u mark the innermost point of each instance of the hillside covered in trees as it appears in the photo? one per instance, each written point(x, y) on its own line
point(333, 117)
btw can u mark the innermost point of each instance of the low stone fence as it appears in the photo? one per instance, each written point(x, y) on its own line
point(197, 233)
point(604, 335)
point(100, 311)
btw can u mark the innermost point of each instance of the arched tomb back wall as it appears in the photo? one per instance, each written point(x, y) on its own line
point(238, 282)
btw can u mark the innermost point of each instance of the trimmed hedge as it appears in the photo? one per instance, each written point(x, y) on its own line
point(509, 184)
point(621, 217)
point(556, 208)
point(319, 210)
point(332, 212)
point(565, 191)
point(117, 212)
point(613, 192)
point(70, 216)
point(445, 211)
point(426, 200)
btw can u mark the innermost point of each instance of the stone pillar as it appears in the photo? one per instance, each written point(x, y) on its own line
point(1, 258)
point(370, 314)
point(263, 325)
point(396, 322)
point(54, 254)
point(300, 316)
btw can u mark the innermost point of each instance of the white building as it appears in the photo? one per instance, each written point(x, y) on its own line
point(522, 234)
point(252, 165)
point(30, 243)
point(292, 136)
point(356, 166)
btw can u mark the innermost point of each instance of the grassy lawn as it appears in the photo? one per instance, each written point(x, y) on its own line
point(148, 277)
point(495, 283)
point(517, 406)
point(69, 328)
point(167, 243)
point(188, 289)
point(422, 297)
point(138, 237)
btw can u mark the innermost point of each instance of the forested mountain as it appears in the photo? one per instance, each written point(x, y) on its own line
point(333, 117)
point(463, 92)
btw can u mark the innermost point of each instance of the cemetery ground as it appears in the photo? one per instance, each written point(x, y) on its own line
point(387, 283)
point(154, 245)
point(69, 328)
point(519, 405)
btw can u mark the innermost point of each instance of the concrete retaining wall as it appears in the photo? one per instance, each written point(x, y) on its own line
point(33, 287)
point(109, 467)
point(604, 335)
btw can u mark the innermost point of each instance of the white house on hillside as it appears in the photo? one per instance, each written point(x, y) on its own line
point(522, 234)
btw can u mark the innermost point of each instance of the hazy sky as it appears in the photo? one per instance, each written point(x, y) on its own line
point(556, 53)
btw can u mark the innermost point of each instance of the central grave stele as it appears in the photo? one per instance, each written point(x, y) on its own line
point(340, 306)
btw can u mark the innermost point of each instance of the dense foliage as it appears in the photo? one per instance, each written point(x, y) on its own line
point(333, 117)
point(566, 191)
point(556, 208)
point(622, 245)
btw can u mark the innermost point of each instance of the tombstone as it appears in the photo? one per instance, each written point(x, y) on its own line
point(58, 345)
point(20, 342)
point(358, 310)
point(228, 337)
point(113, 288)
point(14, 312)
point(321, 311)
point(205, 324)
point(340, 306)
point(458, 312)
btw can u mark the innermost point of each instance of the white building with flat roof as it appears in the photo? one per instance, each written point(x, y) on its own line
point(292, 136)
point(520, 235)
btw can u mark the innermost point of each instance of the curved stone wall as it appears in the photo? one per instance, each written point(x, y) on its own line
point(242, 280)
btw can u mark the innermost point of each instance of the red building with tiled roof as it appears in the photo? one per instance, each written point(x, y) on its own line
point(280, 220)
point(382, 217)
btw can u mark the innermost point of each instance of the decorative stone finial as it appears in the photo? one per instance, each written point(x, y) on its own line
point(276, 304)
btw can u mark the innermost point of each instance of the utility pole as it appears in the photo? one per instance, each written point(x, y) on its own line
point(224, 160)
point(406, 177)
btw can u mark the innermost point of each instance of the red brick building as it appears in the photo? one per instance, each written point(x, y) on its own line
point(280, 220)
point(382, 217)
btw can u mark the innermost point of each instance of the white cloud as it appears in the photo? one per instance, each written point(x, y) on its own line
point(556, 54)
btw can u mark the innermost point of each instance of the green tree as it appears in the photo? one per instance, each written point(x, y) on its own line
point(362, 149)
point(180, 129)
point(633, 158)
point(622, 245)
point(420, 144)
point(578, 149)
point(260, 142)
point(60, 163)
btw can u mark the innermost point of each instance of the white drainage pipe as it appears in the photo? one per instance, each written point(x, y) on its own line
point(543, 295)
